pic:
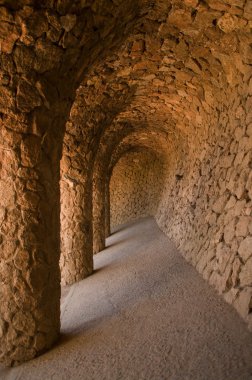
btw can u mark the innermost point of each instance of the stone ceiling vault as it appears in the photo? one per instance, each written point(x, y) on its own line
point(80, 83)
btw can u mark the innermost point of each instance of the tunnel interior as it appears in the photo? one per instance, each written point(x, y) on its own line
point(135, 187)
point(110, 112)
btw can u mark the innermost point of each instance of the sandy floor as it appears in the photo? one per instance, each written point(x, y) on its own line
point(144, 314)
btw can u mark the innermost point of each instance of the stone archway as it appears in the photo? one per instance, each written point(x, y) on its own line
point(181, 67)
point(136, 185)
point(43, 61)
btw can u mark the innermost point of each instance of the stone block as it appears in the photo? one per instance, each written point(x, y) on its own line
point(242, 226)
point(245, 275)
point(245, 248)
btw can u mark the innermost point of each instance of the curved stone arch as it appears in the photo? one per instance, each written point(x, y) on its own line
point(43, 58)
point(123, 148)
point(190, 72)
point(135, 186)
point(100, 183)
point(117, 134)
point(89, 119)
point(204, 92)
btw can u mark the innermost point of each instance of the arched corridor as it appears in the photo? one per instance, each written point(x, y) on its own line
point(135, 186)
point(144, 314)
point(111, 111)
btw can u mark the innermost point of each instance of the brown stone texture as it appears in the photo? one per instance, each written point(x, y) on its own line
point(135, 187)
point(76, 260)
point(83, 83)
point(43, 61)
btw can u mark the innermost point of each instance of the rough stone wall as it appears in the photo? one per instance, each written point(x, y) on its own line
point(188, 68)
point(208, 210)
point(180, 69)
point(203, 90)
point(135, 187)
point(43, 59)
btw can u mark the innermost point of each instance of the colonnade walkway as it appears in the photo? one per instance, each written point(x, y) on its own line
point(144, 314)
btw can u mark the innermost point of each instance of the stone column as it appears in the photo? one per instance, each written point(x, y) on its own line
point(29, 237)
point(107, 210)
point(76, 228)
point(98, 214)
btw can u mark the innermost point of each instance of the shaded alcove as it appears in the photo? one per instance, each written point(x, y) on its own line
point(139, 136)
point(135, 186)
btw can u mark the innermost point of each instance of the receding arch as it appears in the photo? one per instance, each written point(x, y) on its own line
point(184, 69)
point(44, 60)
point(135, 185)
point(156, 140)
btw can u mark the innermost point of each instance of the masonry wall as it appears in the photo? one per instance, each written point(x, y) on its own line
point(135, 187)
point(207, 212)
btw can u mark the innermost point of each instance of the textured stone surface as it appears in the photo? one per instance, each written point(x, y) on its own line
point(145, 314)
point(43, 61)
point(87, 81)
point(135, 187)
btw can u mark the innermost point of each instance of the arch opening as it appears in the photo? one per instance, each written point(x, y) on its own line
point(135, 186)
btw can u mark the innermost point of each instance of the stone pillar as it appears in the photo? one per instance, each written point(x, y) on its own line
point(76, 228)
point(107, 211)
point(29, 238)
point(98, 214)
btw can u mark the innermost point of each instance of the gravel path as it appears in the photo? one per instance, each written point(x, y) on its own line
point(144, 314)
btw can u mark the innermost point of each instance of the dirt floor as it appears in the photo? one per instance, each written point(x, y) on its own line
point(144, 314)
